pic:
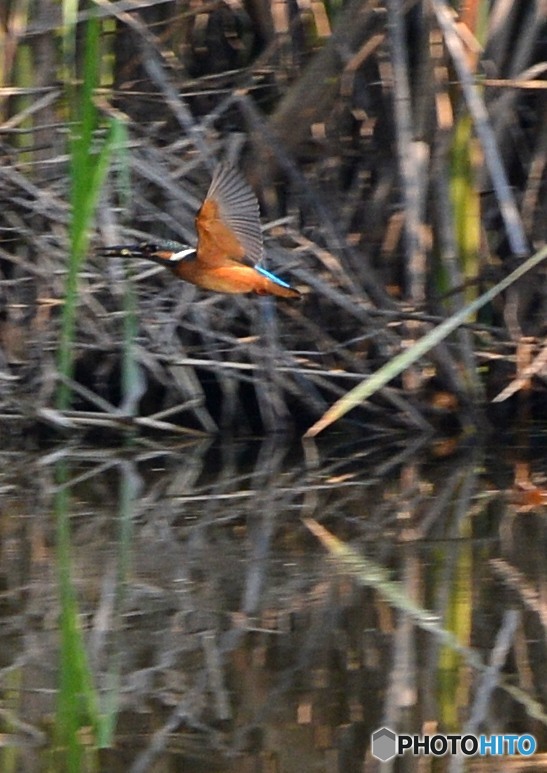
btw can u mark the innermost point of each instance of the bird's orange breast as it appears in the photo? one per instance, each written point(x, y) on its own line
point(230, 278)
point(221, 278)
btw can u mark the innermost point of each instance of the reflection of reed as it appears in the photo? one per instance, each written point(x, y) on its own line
point(206, 604)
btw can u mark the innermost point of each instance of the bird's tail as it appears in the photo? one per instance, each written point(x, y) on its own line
point(273, 285)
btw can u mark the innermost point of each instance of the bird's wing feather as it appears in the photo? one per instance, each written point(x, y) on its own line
point(228, 223)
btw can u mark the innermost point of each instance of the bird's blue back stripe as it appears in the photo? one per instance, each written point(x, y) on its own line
point(273, 277)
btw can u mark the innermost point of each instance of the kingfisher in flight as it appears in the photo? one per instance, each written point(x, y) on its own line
point(229, 244)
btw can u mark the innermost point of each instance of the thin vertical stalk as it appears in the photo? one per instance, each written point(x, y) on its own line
point(413, 156)
point(88, 169)
point(483, 127)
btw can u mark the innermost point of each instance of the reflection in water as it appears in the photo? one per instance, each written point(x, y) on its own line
point(218, 633)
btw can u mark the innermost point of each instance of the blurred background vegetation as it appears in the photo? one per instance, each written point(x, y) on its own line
point(398, 152)
point(167, 596)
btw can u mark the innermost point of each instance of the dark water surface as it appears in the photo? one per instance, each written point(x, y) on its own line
point(222, 636)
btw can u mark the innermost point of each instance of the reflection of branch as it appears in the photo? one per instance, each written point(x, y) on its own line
point(518, 583)
point(370, 574)
point(491, 677)
point(489, 682)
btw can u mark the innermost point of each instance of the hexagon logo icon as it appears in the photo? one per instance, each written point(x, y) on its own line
point(384, 744)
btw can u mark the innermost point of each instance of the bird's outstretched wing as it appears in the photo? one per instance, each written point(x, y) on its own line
point(228, 223)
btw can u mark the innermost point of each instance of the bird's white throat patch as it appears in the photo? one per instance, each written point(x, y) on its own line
point(181, 254)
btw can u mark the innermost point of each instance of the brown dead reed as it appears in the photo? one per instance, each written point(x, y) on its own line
point(346, 125)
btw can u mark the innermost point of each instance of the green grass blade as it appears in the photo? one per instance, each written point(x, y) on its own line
point(465, 203)
point(88, 170)
point(402, 361)
point(84, 205)
point(76, 701)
